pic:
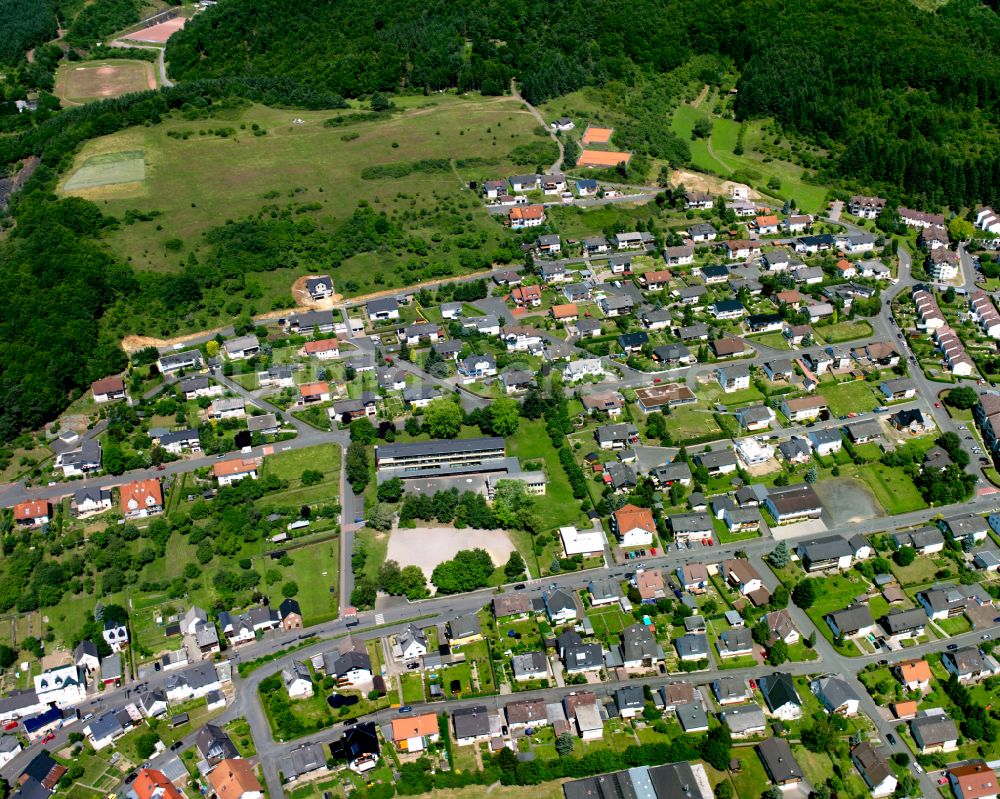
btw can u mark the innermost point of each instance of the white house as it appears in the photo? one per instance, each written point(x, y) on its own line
point(62, 685)
point(297, 680)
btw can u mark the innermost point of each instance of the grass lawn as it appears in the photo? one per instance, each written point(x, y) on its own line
point(799, 653)
point(715, 154)
point(845, 331)
point(855, 396)
point(956, 625)
point(557, 508)
point(200, 181)
point(920, 572)
point(315, 569)
point(690, 422)
point(413, 688)
point(774, 340)
point(893, 488)
point(741, 397)
point(751, 780)
point(242, 737)
point(324, 458)
point(608, 622)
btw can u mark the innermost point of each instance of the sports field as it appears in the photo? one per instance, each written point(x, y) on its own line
point(108, 169)
point(201, 173)
point(158, 34)
point(98, 80)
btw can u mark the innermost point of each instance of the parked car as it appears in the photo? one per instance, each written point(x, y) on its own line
point(890, 738)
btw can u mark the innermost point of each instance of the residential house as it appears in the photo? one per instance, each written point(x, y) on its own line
point(530, 666)
point(241, 628)
point(234, 778)
point(414, 733)
point(729, 347)
point(702, 231)
point(866, 207)
point(691, 527)
point(966, 663)
point(825, 441)
point(733, 378)
point(735, 642)
point(412, 643)
point(973, 780)
point(560, 606)
point(297, 680)
point(744, 720)
point(836, 695)
point(549, 244)
point(942, 601)
point(526, 713)
point(692, 647)
point(915, 675)
point(693, 577)
point(629, 701)
point(33, 513)
point(141, 498)
point(527, 296)
point(87, 502)
point(650, 585)
point(639, 649)
point(526, 216)
point(617, 436)
point(780, 696)
point(108, 389)
point(62, 686)
point(679, 256)
point(634, 526)
point(241, 347)
point(232, 471)
point(874, 768)
point(781, 627)
point(475, 367)
point(933, 731)
point(804, 409)
point(779, 762)
point(919, 219)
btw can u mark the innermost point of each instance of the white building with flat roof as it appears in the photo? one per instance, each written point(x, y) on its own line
point(582, 542)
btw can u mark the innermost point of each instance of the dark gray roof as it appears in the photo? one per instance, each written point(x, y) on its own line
point(471, 722)
point(824, 548)
point(778, 689)
point(903, 620)
point(742, 718)
point(836, 691)
point(438, 446)
point(383, 305)
point(465, 626)
point(779, 761)
point(850, 620)
point(692, 716)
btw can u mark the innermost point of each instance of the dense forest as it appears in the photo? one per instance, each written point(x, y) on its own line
point(898, 96)
point(26, 23)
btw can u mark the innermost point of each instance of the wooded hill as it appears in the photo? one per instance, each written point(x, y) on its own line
point(898, 95)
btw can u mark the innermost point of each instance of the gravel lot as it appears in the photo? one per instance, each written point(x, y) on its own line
point(426, 547)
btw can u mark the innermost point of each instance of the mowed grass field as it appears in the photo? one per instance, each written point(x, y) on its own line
point(715, 155)
point(81, 82)
point(203, 181)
